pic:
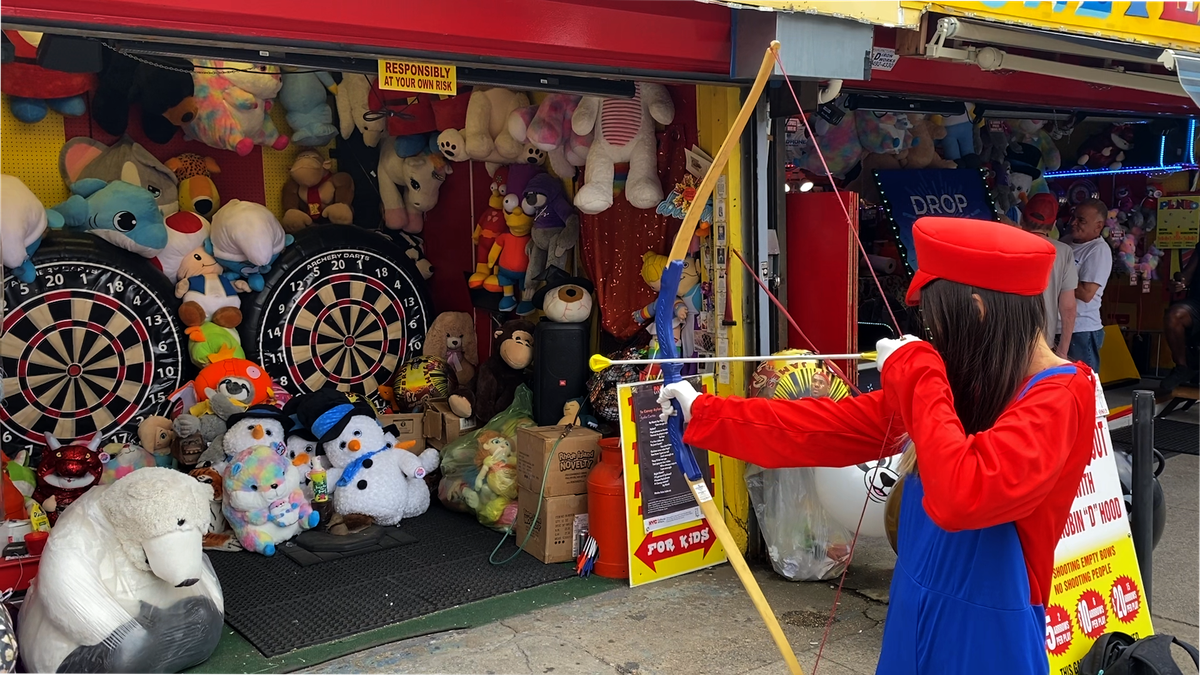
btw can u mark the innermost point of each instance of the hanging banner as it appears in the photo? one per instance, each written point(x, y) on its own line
point(1178, 222)
point(1097, 586)
point(420, 78)
point(1170, 25)
point(667, 535)
point(948, 193)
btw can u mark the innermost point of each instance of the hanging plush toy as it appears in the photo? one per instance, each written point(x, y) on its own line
point(313, 193)
point(485, 136)
point(233, 99)
point(421, 177)
point(122, 214)
point(163, 92)
point(23, 221)
point(687, 304)
point(197, 191)
point(554, 235)
point(65, 473)
point(246, 239)
point(1106, 149)
point(922, 154)
point(303, 96)
point(623, 131)
point(263, 500)
point(125, 160)
point(548, 127)
point(490, 225)
point(32, 90)
point(354, 109)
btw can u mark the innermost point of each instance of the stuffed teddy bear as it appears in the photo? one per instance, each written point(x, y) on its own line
point(23, 221)
point(314, 193)
point(353, 105)
point(1107, 148)
point(197, 191)
point(122, 214)
point(548, 127)
point(303, 96)
point(498, 378)
point(232, 101)
point(922, 153)
point(125, 160)
point(206, 294)
point(122, 459)
point(422, 177)
point(246, 238)
point(618, 138)
point(256, 481)
point(485, 136)
point(451, 337)
point(156, 435)
point(65, 473)
point(32, 90)
point(554, 235)
point(164, 95)
point(123, 584)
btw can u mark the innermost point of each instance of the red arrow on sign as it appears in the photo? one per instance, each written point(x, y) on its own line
point(658, 547)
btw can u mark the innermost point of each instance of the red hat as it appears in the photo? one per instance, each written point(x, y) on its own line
point(1042, 209)
point(980, 253)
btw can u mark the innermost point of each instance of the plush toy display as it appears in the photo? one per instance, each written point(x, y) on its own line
point(578, 413)
point(246, 239)
point(164, 95)
point(123, 584)
point(555, 231)
point(490, 225)
point(495, 484)
point(19, 482)
point(216, 535)
point(959, 140)
point(564, 298)
point(314, 193)
point(510, 258)
point(414, 248)
point(65, 473)
point(619, 138)
point(922, 153)
point(421, 177)
point(197, 191)
point(186, 232)
point(206, 294)
point(414, 119)
point(187, 448)
point(485, 136)
point(499, 376)
point(209, 343)
point(223, 389)
point(548, 127)
point(233, 99)
point(260, 424)
point(451, 337)
point(156, 435)
point(122, 459)
point(263, 502)
point(301, 451)
point(1106, 150)
point(23, 221)
point(124, 215)
point(125, 160)
point(303, 96)
point(687, 304)
point(353, 105)
point(32, 90)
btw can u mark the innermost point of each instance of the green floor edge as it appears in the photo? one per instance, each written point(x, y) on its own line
point(235, 655)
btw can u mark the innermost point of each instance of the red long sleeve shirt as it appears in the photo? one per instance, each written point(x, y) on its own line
point(1024, 470)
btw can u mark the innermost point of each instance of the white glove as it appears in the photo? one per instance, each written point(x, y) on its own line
point(683, 392)
point(885, 348)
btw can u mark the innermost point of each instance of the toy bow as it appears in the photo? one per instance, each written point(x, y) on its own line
point(672, 370)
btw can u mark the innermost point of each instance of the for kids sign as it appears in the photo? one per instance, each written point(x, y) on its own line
point(949, 193)
point(423, 78)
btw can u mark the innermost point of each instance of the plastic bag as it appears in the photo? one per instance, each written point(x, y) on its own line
point(804, 542)
point(479, 470)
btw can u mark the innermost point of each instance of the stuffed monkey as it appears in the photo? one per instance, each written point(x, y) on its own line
point(314, 193)
point(499, 377)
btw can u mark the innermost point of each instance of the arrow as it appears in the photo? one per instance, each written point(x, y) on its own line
point(658, 547)
point(599, 362)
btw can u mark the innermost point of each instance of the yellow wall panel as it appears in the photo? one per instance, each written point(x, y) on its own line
point(30, 152)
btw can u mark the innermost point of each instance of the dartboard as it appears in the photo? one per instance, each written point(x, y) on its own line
point(343, 308)
point(91, 345)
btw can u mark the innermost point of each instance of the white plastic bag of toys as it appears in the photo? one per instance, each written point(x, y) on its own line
point(804, 542)
point(479, 470)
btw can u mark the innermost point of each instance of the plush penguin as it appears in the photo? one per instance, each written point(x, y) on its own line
point(260, 424)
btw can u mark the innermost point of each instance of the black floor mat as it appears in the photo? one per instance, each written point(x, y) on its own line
point(312, 547)
point(1169, 436)
point(280, 606)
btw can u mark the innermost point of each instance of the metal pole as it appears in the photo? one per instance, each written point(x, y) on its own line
point(1143, 487)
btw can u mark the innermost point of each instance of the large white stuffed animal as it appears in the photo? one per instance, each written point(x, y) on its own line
point(623, 132)
point(353, 102)
point(23, 221)
point(246, 238)
point(409, 186)
point(123, 585)
point(486, 137)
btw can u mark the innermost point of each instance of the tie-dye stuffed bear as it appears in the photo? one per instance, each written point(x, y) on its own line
point(233, 99)
point(263, 500)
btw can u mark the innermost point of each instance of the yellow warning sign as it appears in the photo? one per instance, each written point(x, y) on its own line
point(426, 78)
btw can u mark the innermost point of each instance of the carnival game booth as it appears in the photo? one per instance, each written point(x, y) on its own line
point(347, 290)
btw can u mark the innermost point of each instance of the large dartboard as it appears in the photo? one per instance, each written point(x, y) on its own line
point(343, 307)
point(91, 345)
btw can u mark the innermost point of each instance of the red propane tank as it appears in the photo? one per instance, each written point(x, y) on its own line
point(606, 512)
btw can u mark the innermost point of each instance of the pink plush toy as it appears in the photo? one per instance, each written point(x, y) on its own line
point(548, 127)
point(1127, 254)
point(233, 100)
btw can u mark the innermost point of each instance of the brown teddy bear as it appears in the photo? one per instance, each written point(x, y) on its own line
point(313, 193)
point(452, 339)
point(922, 154)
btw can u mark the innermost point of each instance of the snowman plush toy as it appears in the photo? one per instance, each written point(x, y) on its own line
point(260, 424)
point(372, 477)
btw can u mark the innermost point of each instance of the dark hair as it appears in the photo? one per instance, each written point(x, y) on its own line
point(986, 356)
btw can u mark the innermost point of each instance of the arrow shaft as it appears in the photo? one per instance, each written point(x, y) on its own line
point(719, 359)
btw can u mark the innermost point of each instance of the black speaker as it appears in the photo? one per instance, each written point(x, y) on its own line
point(560, 368)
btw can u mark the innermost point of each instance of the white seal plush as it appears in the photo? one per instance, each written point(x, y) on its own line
point(123, 584)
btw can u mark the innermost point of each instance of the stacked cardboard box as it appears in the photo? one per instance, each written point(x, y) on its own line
point(563, 512)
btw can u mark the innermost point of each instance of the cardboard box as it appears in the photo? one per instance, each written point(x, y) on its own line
point(554, 534)
point(442, 426)
point(406, 427)
point(574, 459)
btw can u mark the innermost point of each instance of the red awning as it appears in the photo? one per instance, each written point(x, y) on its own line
point(623, 35)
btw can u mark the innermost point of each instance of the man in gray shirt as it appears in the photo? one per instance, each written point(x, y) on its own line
point(1039, 217)
point(1093, 262)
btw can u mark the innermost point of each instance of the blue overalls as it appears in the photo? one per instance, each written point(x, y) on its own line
point(960, 600)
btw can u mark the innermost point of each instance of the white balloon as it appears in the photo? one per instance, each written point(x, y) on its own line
point(842, 492)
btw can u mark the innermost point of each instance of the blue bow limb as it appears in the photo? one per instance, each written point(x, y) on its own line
point(664, 313)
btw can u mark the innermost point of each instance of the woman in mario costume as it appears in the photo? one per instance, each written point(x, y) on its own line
point(1001, 432)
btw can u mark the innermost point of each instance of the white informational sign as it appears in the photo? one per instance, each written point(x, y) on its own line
point(883, 58)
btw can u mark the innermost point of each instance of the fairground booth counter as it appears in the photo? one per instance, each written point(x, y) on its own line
point(316, 296)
